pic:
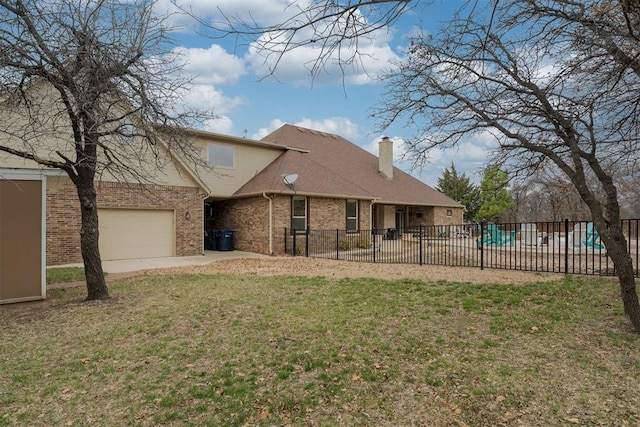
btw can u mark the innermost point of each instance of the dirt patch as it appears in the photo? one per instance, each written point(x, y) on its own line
point(313, 267)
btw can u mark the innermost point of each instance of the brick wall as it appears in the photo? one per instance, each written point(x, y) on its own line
point(249, 218)
point(331, 214)
point(419, 215)
point(428, 215)
point(63, 214)
point(440, 216)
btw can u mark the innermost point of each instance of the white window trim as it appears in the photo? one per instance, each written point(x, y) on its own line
point(347, 217)
point(306, 212)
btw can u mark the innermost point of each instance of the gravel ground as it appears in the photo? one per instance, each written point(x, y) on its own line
point(312, 267)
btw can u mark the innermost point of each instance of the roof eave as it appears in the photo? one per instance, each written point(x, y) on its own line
point(440, 205)
point(300, 193)
point(241, 140)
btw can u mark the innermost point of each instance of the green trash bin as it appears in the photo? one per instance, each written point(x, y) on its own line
point(225, 240)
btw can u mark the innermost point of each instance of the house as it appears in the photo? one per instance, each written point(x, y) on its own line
point(160, 216)
point(338, 185)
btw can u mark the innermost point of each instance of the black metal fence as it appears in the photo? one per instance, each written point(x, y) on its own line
point(558, 247)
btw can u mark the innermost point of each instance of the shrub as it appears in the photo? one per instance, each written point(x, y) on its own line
point(344, 245)
point(364, 244)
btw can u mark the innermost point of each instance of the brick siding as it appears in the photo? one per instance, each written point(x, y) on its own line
point(432, 215)
point(249, 218)
point(63, 214)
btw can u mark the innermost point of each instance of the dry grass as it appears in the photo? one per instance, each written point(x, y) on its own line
point(248, 350)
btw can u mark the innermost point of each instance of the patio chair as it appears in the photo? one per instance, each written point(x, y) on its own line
point(495, 236)
point(592, 238)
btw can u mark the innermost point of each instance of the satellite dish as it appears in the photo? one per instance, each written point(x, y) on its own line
point(290, 178)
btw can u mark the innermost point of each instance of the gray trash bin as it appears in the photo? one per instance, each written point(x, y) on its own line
point(211, 237)
point(225, 240)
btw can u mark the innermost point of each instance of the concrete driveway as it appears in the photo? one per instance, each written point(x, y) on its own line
point(131, 265)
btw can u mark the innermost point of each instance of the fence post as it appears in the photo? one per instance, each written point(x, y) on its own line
point(295, 244)
point(306, 243)
point(566, 246)
point(374, 237)
point(285, 240)
point(420, 240)
point(481, 245)
point(337, 243)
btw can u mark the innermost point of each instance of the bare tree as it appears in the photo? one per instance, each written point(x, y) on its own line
point(630, 198)
point(90, 87)
point(335, 29)
point(553, 81)
point(548, 195)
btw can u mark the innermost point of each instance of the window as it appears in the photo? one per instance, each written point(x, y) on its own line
point(299, 213)
point(127, 131)
point(352, 215)
point(449, 212)
point(221, 155)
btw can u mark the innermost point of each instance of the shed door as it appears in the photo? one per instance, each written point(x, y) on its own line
point(20, 240)
point(136, 233)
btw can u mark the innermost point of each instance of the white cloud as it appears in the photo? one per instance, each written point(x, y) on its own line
point(211, 66)
point(399, 148)
point(203, 97)
point(361, 64)
point(335, 125)
point(262, 12)
point(370, 55)
point(262, 132)
point(469, 156)
point(221, 124)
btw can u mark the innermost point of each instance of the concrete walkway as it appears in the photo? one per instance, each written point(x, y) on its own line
point(132, 265)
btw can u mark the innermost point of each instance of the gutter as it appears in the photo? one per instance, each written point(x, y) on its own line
point(371, 210)
point(270, 198)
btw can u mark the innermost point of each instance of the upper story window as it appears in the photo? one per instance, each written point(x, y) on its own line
point(352, 215)
point(299, 213)
point(127, 131)
point(220, 155)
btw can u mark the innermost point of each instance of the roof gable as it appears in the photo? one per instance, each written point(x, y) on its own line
point(351, 167)
point(313, 179)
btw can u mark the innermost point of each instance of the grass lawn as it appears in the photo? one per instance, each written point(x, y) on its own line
point(248, 350)
point(66, 274)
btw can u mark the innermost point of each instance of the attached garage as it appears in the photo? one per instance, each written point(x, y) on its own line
point(22, 240)
point(136, 233)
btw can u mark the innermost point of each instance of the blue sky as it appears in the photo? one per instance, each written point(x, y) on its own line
point(229, 76)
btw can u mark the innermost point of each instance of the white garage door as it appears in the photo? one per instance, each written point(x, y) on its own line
point(136, 233)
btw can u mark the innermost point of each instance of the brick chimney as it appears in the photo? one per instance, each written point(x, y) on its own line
point(385, 157)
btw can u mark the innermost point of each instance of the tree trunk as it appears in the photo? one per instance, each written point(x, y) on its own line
point(617, 249)
point(96, 285)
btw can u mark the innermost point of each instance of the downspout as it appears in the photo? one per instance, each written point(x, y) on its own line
point(270, 198)
point(372, 212)
point(204, 213)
